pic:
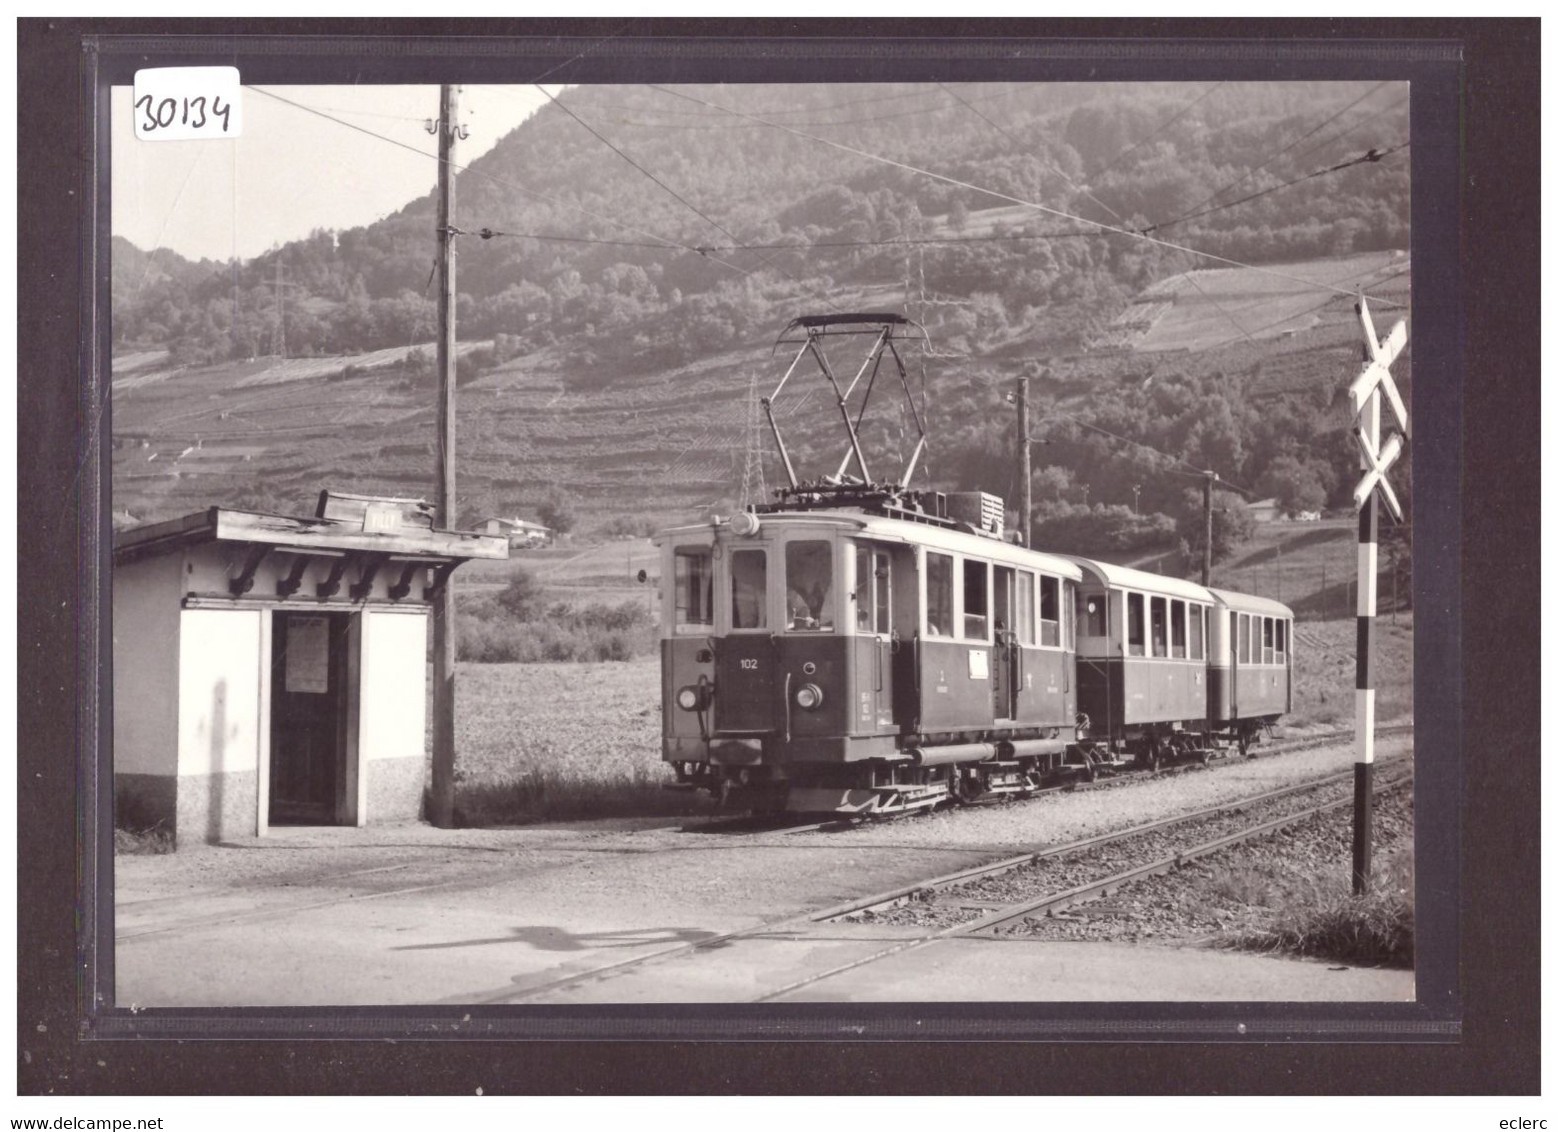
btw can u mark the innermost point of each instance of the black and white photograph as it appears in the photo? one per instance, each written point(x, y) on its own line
point(762, 542)
point(868, 557)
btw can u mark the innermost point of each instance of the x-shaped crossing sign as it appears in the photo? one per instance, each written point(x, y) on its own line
point(1379, 462)
point(1375, 379)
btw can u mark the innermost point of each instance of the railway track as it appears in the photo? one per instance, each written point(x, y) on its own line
point(1229, 830)
point(975, 924)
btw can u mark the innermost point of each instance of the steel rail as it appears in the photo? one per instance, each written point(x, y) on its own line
point(996, 868)
point(1075, 895)
point(834, 912)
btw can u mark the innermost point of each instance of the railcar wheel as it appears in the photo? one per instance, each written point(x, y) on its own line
point(1150, 754)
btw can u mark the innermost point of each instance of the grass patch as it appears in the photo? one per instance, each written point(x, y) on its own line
point(1376, 928)
point(143, 842)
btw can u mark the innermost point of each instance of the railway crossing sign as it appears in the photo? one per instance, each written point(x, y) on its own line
point(1364, 396)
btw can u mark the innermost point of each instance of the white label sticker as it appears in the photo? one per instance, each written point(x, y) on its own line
point(978, 664)
point(179, 103)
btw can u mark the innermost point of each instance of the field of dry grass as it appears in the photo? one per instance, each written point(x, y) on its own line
point(553, 741)
point(1325, 672)
point(1204, 309)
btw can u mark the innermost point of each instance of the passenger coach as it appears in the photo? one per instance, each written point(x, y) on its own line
point(1250, 670)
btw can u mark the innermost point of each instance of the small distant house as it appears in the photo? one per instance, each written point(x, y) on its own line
point(521, 533)
point(1265, 510)
point(272, 670)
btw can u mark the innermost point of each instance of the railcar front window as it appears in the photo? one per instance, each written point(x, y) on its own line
point(694, 589)
point(1049, 611)
point(976, 600)
point(1159, 626)
point(938, 595)
point(1177, 629)
point(808, 569)
point(749, 589)
point(1135, 625)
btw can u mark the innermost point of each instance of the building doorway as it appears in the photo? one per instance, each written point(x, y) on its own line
point(310, 702)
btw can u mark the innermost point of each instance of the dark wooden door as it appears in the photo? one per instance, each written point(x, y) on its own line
point(308, 717)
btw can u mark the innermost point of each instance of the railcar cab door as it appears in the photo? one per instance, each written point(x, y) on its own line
point(745, 660)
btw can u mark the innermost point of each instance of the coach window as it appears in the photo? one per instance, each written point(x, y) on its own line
point(808, 571)
point(1024, 608)
point(1282, 640)
point(749, 589)
point(1268, 642)
point(1049, 611)
point(1196, 629)
point(976, 600)
point(1242, 637)
point(694, 588)
point(1135, 625)
point(938, 595)
point(1159, 626)
point(1177, 629)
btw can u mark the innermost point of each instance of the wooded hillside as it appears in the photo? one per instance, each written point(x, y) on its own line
point(585, 273)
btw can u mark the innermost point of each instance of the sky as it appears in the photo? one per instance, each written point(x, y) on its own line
point(293, 171)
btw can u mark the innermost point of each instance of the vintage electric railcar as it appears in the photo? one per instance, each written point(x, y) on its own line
point(877, 656)
point(858, 647)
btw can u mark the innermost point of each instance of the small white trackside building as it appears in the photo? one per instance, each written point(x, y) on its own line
point(272, 670)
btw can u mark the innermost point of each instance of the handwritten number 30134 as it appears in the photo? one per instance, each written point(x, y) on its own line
point(184, 111)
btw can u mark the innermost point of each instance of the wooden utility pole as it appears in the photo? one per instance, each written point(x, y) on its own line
point(1024, 446)
point(445, 516)
point(1206, 506)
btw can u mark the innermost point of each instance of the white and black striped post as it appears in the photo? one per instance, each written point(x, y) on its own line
point(1375, 459)
point(1363, 765)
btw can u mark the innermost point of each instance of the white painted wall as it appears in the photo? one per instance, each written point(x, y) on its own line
point(146, 665)
point(219, 674)
point(392, 718)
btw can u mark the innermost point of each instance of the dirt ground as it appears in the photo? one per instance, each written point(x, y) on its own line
point(402, 914)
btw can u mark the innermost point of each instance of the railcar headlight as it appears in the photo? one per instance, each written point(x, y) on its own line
point(744, 524)
point(808, 696)
point(687, 699)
